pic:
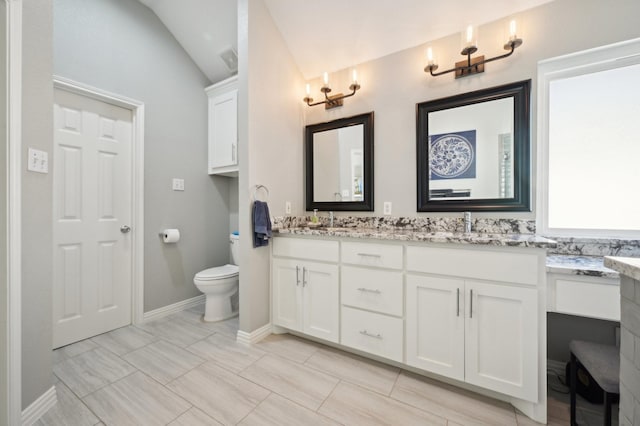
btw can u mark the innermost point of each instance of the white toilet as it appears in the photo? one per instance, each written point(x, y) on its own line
point(219, 285)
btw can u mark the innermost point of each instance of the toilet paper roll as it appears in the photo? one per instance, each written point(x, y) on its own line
point(170, 235)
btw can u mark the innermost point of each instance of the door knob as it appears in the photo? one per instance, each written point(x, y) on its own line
point(124, 229)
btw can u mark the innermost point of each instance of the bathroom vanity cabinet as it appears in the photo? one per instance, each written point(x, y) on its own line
point(473, 316)
point(306, 292)
point(223, 127)
point(472, 312)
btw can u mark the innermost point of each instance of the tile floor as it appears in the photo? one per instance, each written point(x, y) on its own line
point(181, 371)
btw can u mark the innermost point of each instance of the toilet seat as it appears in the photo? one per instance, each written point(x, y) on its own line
point(217, 273)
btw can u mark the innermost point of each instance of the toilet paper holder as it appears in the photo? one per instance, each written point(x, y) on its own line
point(169, 236)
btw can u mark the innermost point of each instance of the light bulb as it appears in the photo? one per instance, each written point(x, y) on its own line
point(326, 78)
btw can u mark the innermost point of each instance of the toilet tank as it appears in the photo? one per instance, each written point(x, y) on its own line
point(234, 241)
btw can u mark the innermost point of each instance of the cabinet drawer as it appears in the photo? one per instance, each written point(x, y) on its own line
point(592, 297)
point(481, 264)
point(302, 248)
point(381, 255)
point(374, 333)
point(372, 289)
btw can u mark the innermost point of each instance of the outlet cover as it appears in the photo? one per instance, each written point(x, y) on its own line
point(178, 184)
point(387, 208)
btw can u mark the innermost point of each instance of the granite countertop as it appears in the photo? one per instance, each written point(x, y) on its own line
point(629, 266)
point(579, 265)
point(506, 239)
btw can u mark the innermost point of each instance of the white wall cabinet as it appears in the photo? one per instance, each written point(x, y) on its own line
point(482, 333)
point(223, 127)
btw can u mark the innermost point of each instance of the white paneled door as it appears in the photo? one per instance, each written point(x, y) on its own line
point(92, 217)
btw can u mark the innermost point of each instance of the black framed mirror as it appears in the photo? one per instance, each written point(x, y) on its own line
point(473, 151)
point(339, 164)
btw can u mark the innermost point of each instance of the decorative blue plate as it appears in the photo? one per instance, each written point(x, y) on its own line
point(450, 156)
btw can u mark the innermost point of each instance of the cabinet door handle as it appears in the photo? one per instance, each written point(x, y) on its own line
point(375, 336)
point(297, 275)
point(471, 303)
point(369, 290)
point(304, 276)
point(458, 302)
point(234, 154)
point(369, 255)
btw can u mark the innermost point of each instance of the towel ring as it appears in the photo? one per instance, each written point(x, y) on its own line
point(256, 188)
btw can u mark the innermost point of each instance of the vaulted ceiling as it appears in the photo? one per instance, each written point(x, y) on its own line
point(327, 35)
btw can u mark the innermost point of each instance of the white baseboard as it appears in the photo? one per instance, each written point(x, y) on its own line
point(255, 336)
point(173, 308)
point(33, 412)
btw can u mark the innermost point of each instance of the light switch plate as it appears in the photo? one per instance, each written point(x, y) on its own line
point(287, 207)
point(38, 161)
point(178, 184)
point(387, 208)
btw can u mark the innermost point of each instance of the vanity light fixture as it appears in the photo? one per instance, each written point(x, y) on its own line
point(473, 65)
point(335, 100)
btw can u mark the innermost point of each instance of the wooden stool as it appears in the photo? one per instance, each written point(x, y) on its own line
point(603, 363)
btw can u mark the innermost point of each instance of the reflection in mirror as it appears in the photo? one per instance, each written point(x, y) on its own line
point(473, 151)
point(465, 148)
point(338, 169)
point(339, 164)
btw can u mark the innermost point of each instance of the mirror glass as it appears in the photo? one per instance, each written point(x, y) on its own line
point(339, 164)
point(338, 173)
point(473, 151)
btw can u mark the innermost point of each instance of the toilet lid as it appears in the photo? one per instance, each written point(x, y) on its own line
point(218, 272)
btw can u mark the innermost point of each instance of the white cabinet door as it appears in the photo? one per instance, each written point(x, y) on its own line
point(501, 339)
point(435, 325)
point(223, 133)
point(320, 294)
point(287, 294)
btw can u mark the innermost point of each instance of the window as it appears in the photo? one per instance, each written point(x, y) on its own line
point(589, 132)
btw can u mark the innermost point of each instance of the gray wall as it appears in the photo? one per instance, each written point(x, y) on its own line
point(3, 217)
point(233, 204)
point(37, 132)
point(561, 329)
point(122, 47)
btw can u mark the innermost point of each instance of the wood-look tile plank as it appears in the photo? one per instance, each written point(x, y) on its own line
point(219, 393)
point(163, 361)
point(455, 404)
point(288, 346)
point(227, 352)
point(355, 369)
point(352, 405)
point(72, 350)
point(195, 315)
point(124, 340)
point(92, 370)
point(136, 400)
point(279, 411)
point(301, 384)
point(68, 411)
point(194, 417)
point(176, 330)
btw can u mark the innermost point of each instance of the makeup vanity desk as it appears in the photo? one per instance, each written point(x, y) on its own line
point(582, 286)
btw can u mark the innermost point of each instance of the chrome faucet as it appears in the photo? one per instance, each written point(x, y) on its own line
point(467, 222)
point(330, 219)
